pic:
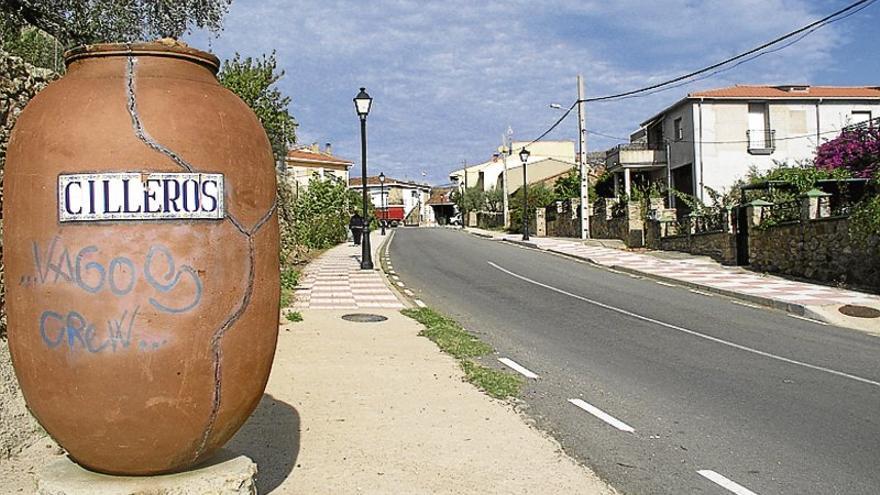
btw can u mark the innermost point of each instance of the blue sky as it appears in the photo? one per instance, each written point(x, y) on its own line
point(448, 77)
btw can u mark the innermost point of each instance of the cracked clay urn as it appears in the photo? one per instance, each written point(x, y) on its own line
point(141, 258)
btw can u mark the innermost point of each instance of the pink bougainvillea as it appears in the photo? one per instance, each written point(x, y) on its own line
point(856, 150)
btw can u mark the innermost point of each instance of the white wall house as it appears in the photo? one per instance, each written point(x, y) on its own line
point(309, 162)
point(490, 174)
point(710, 139)
point(411, 195)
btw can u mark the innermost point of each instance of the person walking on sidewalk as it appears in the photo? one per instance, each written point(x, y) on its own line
point(356, 224)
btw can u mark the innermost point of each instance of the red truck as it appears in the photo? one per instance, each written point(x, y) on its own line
point(392, 215)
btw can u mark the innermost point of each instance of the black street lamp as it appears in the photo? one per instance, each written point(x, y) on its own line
point(524, 157)
point(382, 201)
point(362, 104)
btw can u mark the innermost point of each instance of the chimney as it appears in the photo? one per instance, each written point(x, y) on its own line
point(328, 149)
point(314, 147)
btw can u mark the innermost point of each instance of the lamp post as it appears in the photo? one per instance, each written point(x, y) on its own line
point(524, 158)
point(382, 195)
point(362, 104)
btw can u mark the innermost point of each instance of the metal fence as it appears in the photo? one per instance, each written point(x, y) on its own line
point(716, 219)
point(788, 211)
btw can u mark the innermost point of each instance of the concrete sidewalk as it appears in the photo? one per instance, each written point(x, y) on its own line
point(800, 298)
point(374, 408)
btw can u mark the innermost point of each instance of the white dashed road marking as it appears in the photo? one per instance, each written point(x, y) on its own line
point(420, 304)
point(518, 368)
point(690, 332)
point(719, 480)
point(595, 411)
point(808, 319)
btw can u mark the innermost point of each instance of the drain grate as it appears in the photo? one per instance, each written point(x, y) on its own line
point(363, 318)
point(859, 311)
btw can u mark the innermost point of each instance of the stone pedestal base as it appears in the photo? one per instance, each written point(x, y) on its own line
point(226, 474)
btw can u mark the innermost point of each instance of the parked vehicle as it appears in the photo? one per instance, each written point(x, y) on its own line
point(391, 215)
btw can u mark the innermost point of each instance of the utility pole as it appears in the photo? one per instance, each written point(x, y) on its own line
point(506, 150)
point(583, 168)
point(464, 218)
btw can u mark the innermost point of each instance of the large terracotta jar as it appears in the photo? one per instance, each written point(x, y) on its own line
point(141, 258)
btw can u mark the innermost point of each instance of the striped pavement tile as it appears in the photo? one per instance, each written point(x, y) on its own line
point(709, 274)
point(335, 281)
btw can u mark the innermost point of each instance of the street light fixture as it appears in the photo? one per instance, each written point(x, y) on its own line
point(524, 158)
point(362, 104)
point(382, 201)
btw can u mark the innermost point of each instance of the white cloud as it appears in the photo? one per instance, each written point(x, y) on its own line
point(448, 77)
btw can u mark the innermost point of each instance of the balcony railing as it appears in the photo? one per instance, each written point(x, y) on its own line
point(761, 141)
point(638, 146)
point(636, 154)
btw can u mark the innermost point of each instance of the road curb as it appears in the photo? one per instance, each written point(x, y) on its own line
point(792, 308)
point(383, 248)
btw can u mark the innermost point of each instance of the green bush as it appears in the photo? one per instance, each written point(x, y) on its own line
point(540, 196)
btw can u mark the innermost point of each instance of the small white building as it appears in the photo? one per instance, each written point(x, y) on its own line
point(411, 195)
point(710, 139)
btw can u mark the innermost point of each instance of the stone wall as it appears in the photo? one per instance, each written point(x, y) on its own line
point(719, 246)
point(629, 227)
point(19, 82)
point(490, 220)
point(563, 219)
point(819, 249)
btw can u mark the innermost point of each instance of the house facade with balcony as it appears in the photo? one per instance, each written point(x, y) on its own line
point(711, 139)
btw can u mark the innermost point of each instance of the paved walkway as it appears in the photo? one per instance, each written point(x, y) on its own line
point(335, 281)
point(703, 272)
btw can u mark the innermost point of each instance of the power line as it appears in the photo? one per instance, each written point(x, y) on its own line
point(855, 7)
point(750, 58)
point(809, 27)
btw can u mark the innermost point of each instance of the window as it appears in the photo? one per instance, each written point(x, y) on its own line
point(759, 135)
point(679, 133)
point(862, 117)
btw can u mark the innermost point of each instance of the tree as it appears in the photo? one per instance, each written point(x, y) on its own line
point(540, 196)
point(568, 186)
point(31, 44)
point(253, 81)
point(494, 199)
point(322, 212)
point(470, 199)
point(856, 150)
point(75, 22)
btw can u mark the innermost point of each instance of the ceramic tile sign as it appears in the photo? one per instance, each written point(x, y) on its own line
point(124, 196)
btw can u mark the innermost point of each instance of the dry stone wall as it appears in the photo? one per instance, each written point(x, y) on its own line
point(819, 249)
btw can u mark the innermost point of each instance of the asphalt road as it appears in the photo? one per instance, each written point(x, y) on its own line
point(751, 396)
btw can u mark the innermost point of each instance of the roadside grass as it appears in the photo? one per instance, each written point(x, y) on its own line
point(451, 338)
point(293, 316)
point(289, 279)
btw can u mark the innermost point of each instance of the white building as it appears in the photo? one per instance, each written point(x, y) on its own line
point(411, 195)
point(710, 139)
point(309, 162)
point(557, 156)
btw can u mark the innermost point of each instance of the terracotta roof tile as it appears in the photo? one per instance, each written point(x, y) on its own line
point(790, 91)
point(307, 155)
point(440, 196)
point(373, 180)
